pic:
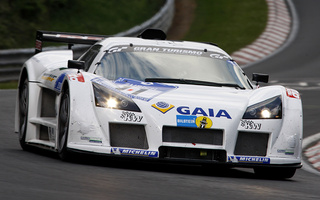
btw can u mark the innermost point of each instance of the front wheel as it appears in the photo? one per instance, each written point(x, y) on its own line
point(275, 172)
point(23, 113)
point(63, 124)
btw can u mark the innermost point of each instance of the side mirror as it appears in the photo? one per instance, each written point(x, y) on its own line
point(260, 77)
point(75, 64)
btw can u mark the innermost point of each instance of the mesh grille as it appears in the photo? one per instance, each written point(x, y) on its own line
point(253, 144)
point(127, 135)
point(192, 135)
point(192, 154)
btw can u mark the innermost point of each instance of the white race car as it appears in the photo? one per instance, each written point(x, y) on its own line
point(152, 98)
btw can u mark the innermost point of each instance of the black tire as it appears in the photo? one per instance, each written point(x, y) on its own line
point(63, 124)
point(275, 172)
point(23, 113)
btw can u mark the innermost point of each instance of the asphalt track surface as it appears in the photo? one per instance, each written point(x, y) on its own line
point(41, 175)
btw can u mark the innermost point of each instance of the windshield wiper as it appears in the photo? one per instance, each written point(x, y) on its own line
point(194, 82)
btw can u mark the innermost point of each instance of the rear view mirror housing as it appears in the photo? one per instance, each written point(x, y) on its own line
point(75, 64)
point(260, 77)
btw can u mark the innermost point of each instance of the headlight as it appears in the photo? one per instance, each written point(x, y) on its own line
point(109, 99)
point(268, 109)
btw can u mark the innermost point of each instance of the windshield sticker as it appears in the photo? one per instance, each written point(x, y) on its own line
point(180, 51)
point(168, 50)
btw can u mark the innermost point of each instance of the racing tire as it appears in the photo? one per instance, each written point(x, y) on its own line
point(275, 173)
point(63, 125)
point(23, 113)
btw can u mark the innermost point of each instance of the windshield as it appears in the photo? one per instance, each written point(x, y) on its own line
point(207, 67)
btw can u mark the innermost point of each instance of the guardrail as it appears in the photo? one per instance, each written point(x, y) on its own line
point(161, 20)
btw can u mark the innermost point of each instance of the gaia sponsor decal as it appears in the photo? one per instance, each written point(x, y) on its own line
point(162, 106)
point(130, 117)
point(249, 124)
point(249, 159)
point(185, 110)
point(134, 152)
point(194, 121)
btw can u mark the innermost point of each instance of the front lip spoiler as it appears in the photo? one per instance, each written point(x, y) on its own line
point(188, 161)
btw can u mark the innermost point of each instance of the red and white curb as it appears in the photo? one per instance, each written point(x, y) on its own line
point(311, 152)
point(275, 34)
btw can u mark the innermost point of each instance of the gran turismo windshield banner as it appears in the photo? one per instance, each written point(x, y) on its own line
point(167, 50)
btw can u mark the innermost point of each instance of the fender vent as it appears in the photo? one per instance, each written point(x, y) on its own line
point(127, 135)
point(252, 144)
point(192, 135)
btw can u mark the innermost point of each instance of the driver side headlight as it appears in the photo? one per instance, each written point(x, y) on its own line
point(110, 99)
point(268, 109)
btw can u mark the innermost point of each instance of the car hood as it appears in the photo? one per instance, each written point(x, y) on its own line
point(190, 101)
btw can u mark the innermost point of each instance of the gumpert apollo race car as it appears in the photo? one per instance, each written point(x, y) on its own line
point(148, 97)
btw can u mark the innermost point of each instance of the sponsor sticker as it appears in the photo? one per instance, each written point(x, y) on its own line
point(185, 110)
point(203, 122)
point(249, 124)
point(59, 81)
point(134, 152)
point(91, 139)
point(293, 93)
point(48, 77)
point(162, 106)
point(76, 77)
point(186, 121)
point(142, 90)
point(249, 159)
point(194, 121)
point(130, 117)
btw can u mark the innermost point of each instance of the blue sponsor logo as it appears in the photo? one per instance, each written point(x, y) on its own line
point(58, 84)
point(186, 121)
point(249, 159)
point(185, 110)
point(134, 152)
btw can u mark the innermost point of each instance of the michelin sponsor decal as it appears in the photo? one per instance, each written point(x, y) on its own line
point(248, 159)
point(134, 152)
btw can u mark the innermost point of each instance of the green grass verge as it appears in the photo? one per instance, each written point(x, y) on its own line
point(231, 24)
point(9, 85)
point(20, 19)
